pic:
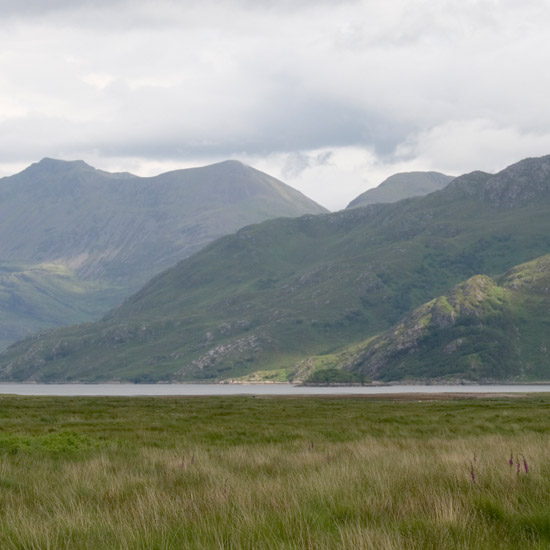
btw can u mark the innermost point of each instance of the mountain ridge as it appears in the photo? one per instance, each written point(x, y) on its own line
point(274, 293)
point(520, 184)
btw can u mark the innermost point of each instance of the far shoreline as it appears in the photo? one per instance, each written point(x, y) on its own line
point(260, 390)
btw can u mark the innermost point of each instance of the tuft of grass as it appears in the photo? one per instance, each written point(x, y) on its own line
point(59, 443)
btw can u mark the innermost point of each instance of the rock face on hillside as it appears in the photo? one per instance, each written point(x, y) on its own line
point(402, 186)
point(276, 293)
point(444, 323)
point(76, 240)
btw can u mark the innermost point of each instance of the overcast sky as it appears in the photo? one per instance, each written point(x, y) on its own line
point(331, 97)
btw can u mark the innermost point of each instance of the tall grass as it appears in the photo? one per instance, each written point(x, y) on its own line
point(273, 473)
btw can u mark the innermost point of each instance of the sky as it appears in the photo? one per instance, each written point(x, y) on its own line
point(331, 96)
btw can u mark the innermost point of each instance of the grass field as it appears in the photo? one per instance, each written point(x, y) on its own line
point(270, 473)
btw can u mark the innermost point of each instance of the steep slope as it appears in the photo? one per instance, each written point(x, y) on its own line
point(482, 330)
point(284, 289)
point(402, 186)
point(76, 240)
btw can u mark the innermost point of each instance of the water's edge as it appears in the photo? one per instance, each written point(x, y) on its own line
point(257, 389)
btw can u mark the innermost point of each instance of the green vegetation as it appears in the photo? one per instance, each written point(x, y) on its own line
point(402, 186)
point(239, 472)
point(35, 297)
point(273, 294)
point(483, 330)
point(76, 240)
point(333, 376)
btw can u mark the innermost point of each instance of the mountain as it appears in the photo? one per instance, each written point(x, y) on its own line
point(274, 293)
point(76, 240)
point(402, 186)
point(483, 330)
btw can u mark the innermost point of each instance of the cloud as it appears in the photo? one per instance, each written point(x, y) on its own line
point(451, 85)
point(325, 173)
point(297, 163)
point(98, 80)
point(481, 143)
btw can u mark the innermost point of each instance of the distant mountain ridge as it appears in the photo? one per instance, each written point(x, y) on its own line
point(272, 294)
point(96, 213)
point(402, 186)
point(76, 240)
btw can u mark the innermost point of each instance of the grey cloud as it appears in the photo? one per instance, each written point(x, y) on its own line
point(297, 163)
point(37, 7)
point(105, 14)
point(298, 124)
point(34, 8)
point(168, 123)
point(217, 79)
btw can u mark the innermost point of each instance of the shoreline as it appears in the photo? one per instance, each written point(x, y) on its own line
point(411, 383)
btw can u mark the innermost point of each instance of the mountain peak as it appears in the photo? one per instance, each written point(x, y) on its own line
point(231, 162)
point(230, 165)
point(402, 186)
point(51, 162)
point(50, 166)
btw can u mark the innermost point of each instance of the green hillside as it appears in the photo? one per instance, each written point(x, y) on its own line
point(274, 293)
point(32, 295)
point(483, 330)
point(76, 240)
point(402, 186)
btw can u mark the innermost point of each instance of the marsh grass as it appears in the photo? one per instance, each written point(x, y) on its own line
point(232, 473)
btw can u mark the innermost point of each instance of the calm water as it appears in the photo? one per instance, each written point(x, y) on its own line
point(249, 389)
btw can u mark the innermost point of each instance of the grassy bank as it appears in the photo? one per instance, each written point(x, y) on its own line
point(239, 472)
